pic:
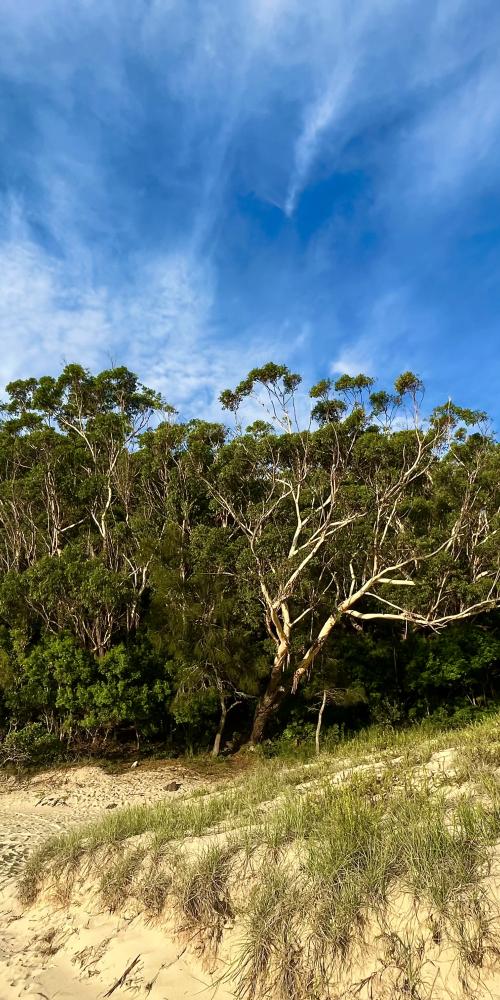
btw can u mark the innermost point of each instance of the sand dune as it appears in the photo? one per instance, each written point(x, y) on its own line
point(81, 953)
point(75, 949)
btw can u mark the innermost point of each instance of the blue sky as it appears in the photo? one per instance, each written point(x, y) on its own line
point(193, 187)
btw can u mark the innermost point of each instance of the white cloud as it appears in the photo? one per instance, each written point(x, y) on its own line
point(177, 347)
point(319, 117)
point(361, 61)
point(353, 361)
point(162, 327)
point(277, 87)
point(457, 137)
point(42, 322)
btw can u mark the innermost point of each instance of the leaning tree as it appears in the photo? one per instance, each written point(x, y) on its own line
point(364, 510)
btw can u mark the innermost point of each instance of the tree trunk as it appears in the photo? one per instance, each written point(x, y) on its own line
point(320, 720)
point(270, 702)
point(315, 648)
point(220, 730)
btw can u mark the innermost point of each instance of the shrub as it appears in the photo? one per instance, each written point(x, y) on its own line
point(30, 745)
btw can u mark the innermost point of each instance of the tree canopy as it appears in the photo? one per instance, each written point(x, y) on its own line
point(189, 581)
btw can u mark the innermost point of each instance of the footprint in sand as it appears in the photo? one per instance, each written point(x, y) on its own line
point(19, 834)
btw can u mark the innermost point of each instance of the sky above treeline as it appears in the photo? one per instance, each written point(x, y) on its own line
point(194, 187)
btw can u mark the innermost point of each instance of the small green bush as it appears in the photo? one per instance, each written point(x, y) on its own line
point(30, 745)
point(296, 742)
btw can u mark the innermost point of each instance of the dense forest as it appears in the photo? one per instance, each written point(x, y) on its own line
point(205, 584)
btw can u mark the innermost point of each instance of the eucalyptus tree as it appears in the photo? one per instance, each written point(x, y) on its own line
point(39, 485)
point(210, 626)
point(68, 448)
point(365, 511)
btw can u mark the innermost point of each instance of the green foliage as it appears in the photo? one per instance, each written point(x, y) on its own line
point(408, 383)
point(131, 686)
point(54, 679)
point(28, 746)
point(151, 570)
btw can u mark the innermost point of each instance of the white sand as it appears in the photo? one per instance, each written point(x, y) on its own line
point(80, 953)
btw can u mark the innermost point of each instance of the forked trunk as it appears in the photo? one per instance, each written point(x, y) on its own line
point(279, 686)
point(270, 701)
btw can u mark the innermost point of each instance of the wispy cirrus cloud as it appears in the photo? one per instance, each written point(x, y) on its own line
point(165, 317)
point(44, 320)
point(459, 138)
point(319, 117)
point(196, 184)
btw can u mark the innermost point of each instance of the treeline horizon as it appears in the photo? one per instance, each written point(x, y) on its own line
point(205, 584)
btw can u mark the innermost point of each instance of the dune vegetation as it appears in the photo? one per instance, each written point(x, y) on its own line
point(369, 871)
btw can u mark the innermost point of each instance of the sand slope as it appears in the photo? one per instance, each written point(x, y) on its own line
point(81, 952)
point(56, 951)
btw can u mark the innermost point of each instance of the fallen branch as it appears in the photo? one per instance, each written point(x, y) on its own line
point(123, 978)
